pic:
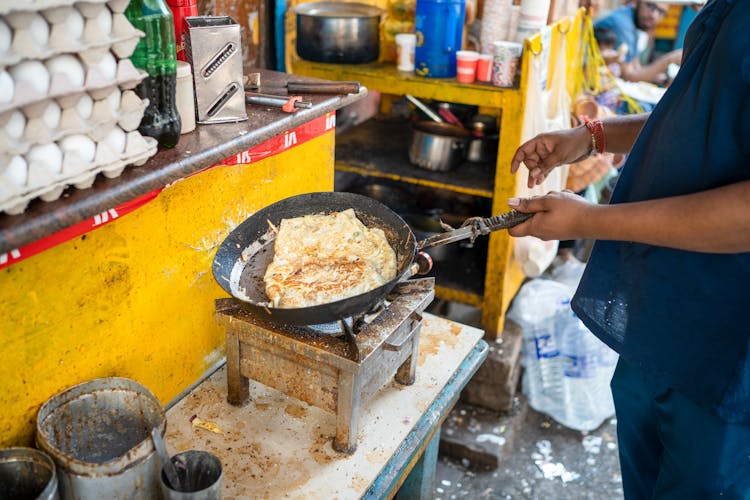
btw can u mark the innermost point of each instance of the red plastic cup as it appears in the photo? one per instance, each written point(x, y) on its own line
point(484, 68)
point(466, 65)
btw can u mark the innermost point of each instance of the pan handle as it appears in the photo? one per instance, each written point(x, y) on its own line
point(475, 226)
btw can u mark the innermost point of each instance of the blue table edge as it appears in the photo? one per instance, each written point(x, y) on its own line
point(390, 477)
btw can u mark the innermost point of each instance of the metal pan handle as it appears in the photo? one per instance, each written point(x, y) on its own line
point(475, 226)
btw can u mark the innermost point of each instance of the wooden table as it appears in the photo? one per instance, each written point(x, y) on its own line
point(279, 447)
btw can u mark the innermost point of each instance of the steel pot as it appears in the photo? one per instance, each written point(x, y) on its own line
point(437, 146)
point(483, 145)
point(338, 32)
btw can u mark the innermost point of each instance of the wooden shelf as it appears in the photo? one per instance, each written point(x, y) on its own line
point(380, 148)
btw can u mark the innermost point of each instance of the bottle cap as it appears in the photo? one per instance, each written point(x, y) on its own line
point(183, 69)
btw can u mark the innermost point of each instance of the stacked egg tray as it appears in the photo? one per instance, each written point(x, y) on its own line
point(68, 110)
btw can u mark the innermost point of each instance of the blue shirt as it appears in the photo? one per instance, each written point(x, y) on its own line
point(684, 316)
point(622, 22)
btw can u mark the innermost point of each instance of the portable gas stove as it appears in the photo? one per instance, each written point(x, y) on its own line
point(337, 371)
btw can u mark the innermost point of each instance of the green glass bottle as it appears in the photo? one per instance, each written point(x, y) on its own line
point(156, 54)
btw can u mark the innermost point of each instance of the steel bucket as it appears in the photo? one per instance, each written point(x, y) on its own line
point(99, 435)
point(27, 473)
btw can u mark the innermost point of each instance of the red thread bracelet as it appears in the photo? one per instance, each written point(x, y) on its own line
point(596, 128)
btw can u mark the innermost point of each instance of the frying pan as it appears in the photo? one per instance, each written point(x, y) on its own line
point(243, 257)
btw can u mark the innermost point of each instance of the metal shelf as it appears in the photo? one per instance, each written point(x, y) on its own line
point(379, 148)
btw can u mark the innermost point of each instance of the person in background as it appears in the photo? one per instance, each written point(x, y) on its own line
point(612, 54)
point(666, 284)
point(628, 23)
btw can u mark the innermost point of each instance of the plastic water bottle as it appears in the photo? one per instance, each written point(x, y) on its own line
point(587, 365)
point(544, 376)
point(156, 54)
point(537, 309)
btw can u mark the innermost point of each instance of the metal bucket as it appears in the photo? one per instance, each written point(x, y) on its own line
point(99, 435)
point(200, 475)
point(27, 473)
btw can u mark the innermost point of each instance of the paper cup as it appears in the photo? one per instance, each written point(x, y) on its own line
point(505, 62)
point(466, 65)
point(405, 46)
point(484, 68)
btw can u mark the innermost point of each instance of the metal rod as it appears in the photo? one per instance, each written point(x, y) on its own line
point(274, 100)
point(423, 107)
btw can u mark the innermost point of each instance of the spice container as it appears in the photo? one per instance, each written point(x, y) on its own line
point(184, 97)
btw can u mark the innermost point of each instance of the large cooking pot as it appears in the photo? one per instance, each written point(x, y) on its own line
point(338, 32)
point(438, 146)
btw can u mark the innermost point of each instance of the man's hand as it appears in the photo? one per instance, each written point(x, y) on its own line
point(547, 151)
point(557, 216)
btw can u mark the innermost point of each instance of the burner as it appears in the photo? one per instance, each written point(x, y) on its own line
point(331, 328)
point(324, 365)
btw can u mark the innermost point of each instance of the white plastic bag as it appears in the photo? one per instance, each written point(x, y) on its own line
point(567, 369)
point(545, 110)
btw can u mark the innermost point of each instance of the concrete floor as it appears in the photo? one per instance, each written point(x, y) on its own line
point(545, 461)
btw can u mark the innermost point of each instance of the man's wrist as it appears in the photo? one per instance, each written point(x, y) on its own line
point(598, 140)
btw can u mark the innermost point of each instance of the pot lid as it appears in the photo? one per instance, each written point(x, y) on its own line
point(337, 9)
point(444, 129)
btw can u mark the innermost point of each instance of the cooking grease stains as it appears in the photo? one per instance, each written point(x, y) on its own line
point(359, 483)
point(320, 449)
point(296, 411)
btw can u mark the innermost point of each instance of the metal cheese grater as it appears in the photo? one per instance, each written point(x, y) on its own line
point(213, 49)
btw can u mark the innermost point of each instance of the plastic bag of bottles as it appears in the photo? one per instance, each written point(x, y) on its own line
point(567, 369)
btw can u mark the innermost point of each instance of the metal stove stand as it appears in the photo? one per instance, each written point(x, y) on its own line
point(330, 372)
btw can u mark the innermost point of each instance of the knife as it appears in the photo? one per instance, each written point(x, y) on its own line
point(475, 226)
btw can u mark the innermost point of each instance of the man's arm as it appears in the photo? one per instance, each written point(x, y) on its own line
point(546, 151)
point(715, 221)
point(633, 71)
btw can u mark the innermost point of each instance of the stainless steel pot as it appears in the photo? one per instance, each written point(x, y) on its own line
point(437, 146)
point(338, 32)
point(483, 145)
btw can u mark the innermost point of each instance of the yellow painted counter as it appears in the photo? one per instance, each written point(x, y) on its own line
point(135, 298)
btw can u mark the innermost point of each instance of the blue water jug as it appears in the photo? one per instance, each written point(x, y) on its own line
point(439, 25)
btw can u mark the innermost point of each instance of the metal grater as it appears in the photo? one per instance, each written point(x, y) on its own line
point(212, 45)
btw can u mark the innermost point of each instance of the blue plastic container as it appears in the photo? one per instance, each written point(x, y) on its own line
point(439, 25)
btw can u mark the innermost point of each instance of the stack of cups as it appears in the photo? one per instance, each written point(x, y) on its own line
point(405, 45)
point(466, 65)
point(507, 56)
point(532, 19)
point(484, 68)
point(495, 22)
point(515, 13)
